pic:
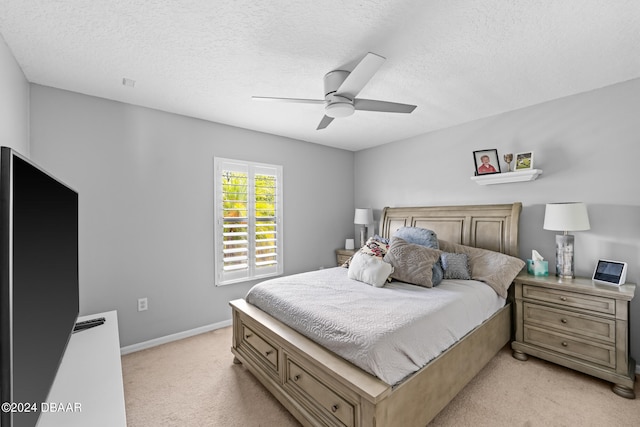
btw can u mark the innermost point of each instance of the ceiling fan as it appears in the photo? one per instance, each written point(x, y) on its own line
point(340, 91)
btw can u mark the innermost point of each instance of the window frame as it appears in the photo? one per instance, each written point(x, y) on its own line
point(252, 270)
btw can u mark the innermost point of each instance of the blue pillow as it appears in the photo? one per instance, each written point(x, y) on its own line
point(381, 239)
point(423, 237)
point(437, 273)
point(418, 236)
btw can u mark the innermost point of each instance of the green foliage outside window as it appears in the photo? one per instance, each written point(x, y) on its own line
point(236, 202)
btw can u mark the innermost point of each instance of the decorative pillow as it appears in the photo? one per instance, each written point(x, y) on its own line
point(412, 263)
point(423, 237)
point(380, 239)
point(369, 269)
point(438, 273)
point(376, 246)
point(456, 266)
point(419, 236)
point(493, 268)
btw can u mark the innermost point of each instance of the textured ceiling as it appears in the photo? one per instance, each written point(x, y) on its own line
point(456, 60)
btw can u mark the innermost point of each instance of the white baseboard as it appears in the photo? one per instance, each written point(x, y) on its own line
point(173, 337)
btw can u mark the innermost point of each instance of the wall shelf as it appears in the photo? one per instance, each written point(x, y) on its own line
point(507, 177)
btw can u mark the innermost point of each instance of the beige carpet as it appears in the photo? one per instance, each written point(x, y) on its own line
point(193, 382)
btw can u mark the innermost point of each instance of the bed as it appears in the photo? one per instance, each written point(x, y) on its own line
point(321, 388)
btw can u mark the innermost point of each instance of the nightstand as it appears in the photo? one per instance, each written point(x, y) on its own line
point(342, 255)
point(578, 324)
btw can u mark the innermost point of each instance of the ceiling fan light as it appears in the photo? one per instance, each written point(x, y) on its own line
point(339, 109)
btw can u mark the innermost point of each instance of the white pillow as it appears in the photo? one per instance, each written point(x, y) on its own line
point(369, 269)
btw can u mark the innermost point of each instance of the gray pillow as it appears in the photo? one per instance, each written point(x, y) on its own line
point(493, 268)
point(412, 263)
point(423, 237)
point(456, 266)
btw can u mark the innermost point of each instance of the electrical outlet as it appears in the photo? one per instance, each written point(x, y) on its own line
point(142, 304)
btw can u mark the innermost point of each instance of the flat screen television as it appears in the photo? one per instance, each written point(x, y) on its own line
point(39, 301)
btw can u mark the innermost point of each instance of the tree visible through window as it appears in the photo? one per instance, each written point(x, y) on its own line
point(248, 220)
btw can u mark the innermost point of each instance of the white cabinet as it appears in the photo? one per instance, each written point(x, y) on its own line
point(88, 389)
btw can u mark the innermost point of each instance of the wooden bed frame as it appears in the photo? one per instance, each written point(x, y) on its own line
point(321, 389)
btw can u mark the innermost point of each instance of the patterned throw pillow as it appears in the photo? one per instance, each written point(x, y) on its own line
point(456, 266)
point(375, 246)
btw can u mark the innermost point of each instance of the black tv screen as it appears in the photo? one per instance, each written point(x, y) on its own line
point(39, 284)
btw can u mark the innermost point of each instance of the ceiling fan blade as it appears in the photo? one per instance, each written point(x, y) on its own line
point(382, 106)
point(360, 75)
point(324, 122)
point(293, 100)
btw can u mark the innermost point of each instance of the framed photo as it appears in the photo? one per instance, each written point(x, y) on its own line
point(524, 161)
point(486, 162)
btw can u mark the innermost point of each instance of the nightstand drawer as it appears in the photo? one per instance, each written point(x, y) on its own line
point(570, 322)
point(585, 302)
point(266, 352)
point(589, 351)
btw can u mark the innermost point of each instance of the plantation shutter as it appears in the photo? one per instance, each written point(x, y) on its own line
point(248, 220)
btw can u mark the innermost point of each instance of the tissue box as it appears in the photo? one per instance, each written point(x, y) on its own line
point(538, 268)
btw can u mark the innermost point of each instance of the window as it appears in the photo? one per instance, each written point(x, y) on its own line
point(248, 220)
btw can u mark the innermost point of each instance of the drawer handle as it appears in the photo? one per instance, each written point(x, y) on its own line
point(334, 408)
point(563, 298)
point(565, 344)
point(246, 337)
point(563, 320)
point(296, 378)
point(268, 352)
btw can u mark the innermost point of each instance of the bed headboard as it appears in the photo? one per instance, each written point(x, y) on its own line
point(493, 227)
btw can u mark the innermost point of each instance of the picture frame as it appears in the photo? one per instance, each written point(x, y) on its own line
point(524, 161)
point(486, 161)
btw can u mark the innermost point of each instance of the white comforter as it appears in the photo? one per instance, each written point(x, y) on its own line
point(389, 332)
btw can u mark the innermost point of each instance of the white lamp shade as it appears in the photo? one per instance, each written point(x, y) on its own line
point(571, 216)
point(363, 216)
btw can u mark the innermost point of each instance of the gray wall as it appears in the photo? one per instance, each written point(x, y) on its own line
point(145, 180)
point(14, 103)
point(588, 146)
point(145, 183)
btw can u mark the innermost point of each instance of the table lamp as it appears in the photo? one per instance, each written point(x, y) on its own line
point(363, 217)
point(569, 216)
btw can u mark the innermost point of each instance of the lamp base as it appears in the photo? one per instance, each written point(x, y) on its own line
point(363, 235)
point(564, 256)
